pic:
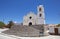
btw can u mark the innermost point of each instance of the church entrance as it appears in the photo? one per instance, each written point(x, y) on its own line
point(30, 23)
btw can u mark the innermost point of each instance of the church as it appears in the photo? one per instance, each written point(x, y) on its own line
point(35, 19)
point(32, 25)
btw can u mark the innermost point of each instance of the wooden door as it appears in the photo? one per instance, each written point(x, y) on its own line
point(56, 31)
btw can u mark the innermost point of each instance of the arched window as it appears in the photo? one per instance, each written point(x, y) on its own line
point(30, 23)
point(30, 17)
point(40, 15)
point(39, 9)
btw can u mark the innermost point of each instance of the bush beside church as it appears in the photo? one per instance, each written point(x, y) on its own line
point(2, 24)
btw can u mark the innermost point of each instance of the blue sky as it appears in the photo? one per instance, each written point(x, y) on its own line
point(16, 9)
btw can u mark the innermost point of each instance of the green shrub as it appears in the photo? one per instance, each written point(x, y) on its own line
point(58, 25)
point(1, 24)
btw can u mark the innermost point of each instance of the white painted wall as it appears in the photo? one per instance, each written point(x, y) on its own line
point(26, 19)
point(51, 30)
point(59, 30)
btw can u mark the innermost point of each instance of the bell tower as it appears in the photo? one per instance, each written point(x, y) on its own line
point(40, 15)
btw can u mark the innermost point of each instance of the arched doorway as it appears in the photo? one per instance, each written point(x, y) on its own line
point(30, 23)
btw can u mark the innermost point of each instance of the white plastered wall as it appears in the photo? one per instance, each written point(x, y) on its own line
point(26, 19)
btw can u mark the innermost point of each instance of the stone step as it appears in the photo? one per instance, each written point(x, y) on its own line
point(23, 31)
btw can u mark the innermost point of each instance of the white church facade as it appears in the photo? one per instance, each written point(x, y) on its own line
point(35, 19)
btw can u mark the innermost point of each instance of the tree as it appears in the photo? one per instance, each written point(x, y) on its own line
point(2, 24)
point(10, 24)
